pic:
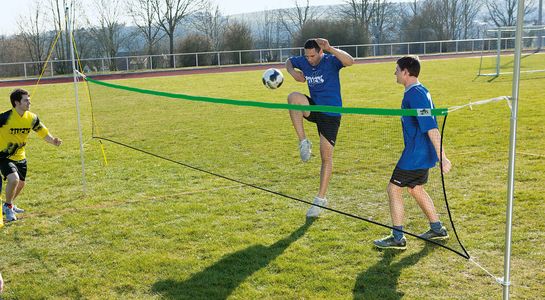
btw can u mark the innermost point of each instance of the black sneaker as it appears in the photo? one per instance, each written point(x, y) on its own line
point(437, 236)
point(390, 243)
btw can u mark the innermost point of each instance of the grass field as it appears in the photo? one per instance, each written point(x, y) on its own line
point(150, 229)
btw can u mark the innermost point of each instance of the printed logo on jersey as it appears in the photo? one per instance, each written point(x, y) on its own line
point(19, 130)
point(315, 79)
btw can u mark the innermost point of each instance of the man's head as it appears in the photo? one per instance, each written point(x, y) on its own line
point(313, 52)
point(20, 98)
point(407, 69)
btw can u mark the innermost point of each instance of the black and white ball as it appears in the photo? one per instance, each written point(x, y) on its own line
point(273, 78)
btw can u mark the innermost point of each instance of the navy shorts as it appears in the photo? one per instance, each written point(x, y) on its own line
point(328, 126)
point(8, 166)
point(409, 178)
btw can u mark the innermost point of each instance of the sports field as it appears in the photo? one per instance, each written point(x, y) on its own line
point(147, 228)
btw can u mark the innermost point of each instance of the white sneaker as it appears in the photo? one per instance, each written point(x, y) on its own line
point(305, 149)
point(18, 210)
point(314, 211)
point(9, 213)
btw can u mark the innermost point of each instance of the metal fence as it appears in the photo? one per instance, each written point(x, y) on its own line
point(140, 63)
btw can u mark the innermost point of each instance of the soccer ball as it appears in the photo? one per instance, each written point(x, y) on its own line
point(272, 78)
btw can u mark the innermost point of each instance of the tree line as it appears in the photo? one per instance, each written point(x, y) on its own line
point(137, 27)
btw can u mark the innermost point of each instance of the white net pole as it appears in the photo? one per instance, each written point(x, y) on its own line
point(512, 147)
point(74, 71)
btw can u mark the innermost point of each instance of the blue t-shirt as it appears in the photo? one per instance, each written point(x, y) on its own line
point(419, 152)
point(323, 80)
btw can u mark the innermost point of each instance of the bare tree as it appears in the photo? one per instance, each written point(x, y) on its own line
point(211, 23)
point(170, 13)
point(294, 19)
point(145, 19)
point(504, 12)
point(383, 20)
point(62, 48)
point(238, 36)
point(469, 12)
point(31, 30)
point(109, 31)
point(360, 13)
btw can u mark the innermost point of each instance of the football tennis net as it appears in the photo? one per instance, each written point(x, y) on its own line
point(254, 144)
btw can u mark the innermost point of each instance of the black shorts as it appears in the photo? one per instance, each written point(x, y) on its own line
point(8, 166)
point(328, 126)
point(410, 178)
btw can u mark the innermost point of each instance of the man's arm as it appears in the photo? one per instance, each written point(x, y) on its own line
point(53, 140)
point(435, 138)
point(296, 74)
point(345, 58)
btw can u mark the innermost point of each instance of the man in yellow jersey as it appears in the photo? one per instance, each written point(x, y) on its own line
point(15, 126)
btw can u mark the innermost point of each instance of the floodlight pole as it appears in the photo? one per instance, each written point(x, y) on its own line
point(512, 151)
point(71, 35)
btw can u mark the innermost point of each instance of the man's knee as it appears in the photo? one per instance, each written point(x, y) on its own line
point(297, 98)
point(13, 178)
point(415, 191)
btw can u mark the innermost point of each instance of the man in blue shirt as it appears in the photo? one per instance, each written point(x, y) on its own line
point(321, 73)
point(422, 151)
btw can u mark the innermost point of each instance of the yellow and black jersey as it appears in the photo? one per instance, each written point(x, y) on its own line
point(14, 131)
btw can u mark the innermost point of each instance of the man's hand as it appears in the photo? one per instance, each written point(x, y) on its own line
point(324, 44)
point(446, 165)
point(53, 140)
point(56, 141)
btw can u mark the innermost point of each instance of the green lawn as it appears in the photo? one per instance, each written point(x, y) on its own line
point(147, 228)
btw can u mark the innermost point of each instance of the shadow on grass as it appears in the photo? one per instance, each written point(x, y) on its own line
point(219, 280)
point(380, 280)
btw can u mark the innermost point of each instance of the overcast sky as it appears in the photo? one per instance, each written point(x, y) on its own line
point(12, 10)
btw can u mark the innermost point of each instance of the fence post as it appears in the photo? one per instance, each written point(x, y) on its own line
point(196, 59)
point(127, 61)
point(219, 62)
point(260, 56)
point(408, 49)
point(174, 59)
point(151, 62)
point(456, 46)
point(24, 67)
point(240, 57)
point(52, 73)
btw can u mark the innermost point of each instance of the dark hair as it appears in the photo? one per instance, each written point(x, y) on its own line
point(312, 44)
point(411, 64)
point(17, 95)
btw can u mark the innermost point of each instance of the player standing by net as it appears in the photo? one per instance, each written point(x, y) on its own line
point(15, 126)
point(321, 73)
point(422, 151)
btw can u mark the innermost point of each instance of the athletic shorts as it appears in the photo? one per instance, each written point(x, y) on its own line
point(328, 126)
point(409, 178)
point(8, 166)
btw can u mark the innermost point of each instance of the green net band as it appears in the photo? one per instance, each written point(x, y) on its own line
point(318, 108)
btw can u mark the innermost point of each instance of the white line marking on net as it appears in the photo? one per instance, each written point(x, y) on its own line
point(481, 102)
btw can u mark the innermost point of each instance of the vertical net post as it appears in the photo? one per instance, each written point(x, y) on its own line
point(70, 25)
point(512, 153)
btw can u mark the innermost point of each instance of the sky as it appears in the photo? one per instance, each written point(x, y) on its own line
point(13, 10)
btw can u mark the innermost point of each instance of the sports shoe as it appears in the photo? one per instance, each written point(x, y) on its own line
point(8, 212)
point(305, 150)
point(314, 211)
point(18, 210)
point(432, 235)
point(389, 242)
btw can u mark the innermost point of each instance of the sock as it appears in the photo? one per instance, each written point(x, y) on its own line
point(398, 235)
point(436, 226)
